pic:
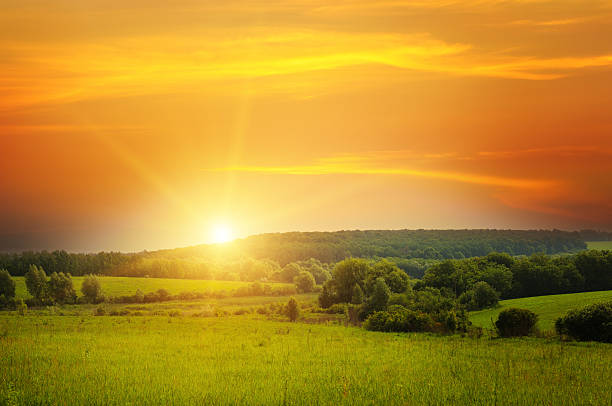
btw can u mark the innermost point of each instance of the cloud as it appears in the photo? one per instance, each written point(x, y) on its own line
point(377, 163)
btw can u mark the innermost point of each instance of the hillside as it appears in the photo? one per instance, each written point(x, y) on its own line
point(548, 308)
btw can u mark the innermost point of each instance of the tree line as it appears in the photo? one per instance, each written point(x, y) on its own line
point(260, 257)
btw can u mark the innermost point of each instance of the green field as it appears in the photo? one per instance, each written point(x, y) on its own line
point(599, 245)
point(249, 360)
point(121, 286)
point(548, 308)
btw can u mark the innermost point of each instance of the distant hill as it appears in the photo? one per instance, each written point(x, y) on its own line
point(428, 244)
point(327, 247)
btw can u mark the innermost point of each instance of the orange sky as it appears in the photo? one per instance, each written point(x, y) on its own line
point(141, 124)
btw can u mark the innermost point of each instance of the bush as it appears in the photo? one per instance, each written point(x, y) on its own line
point(399, 319)
point(22, 308)
point(591, 323)
point(516, 322)
point(292, 310)
point(7, 284)
point(338, 308)
point(99, 311)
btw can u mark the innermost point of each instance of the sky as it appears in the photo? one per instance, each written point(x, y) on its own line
point(131, 125)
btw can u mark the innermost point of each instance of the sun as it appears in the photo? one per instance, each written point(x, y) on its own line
point(221, 233)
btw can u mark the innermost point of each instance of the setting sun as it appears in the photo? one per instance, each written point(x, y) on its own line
point(221, 234)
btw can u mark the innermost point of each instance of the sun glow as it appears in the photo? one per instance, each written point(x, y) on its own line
point(221, 234)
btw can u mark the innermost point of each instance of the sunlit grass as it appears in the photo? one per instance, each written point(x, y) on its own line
point(548, 308)
point(599, 245)
point(249, 360)
point(122, 286)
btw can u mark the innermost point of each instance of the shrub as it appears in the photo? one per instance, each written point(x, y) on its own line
point(591, 323)
point(22, 308)
point(292, 310)
point(99, 311)
point(338, 308)
point(7, 284)
point(516, 322)
point(399, 319)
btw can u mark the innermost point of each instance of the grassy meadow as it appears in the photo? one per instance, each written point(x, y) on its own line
point(599, 245)
point(251, 360)
point(548, 308)
point(123, 286)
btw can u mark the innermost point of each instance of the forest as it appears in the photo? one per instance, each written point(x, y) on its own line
point(244, 259)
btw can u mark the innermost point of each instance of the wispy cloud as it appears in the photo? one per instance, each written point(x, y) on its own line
point(377, 163)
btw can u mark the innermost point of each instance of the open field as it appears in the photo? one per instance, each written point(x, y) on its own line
point(599, 245)
point(249, 360)
point(122, 286)
point(548, 308)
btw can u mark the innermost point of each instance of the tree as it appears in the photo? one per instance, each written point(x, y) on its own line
point(91, 289)
point(60, 288)
point(346, 274)
point(304, 282)
point(397, 280)
point(7, 284)
point(380, 296)
point(484, 295)
point(36, 282)
point(290, 271)
point(328, 295)
point(292, 310)
point(358, 296)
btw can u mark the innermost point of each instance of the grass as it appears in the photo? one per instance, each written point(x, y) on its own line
point(548, 308)
point(599, 245)
point(250, 360)
point(122, 286)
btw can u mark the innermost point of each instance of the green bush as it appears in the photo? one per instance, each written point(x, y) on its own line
point(591, 323)
point(516, 322)
point(292, 310)
point(399, 319)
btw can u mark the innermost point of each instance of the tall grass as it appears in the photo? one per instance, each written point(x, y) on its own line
point(243, 360)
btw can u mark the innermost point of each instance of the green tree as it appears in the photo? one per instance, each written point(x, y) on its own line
point(358, 296)
point(292, 309)
point(328, 295)
point(347, 274)
point(304, 282)
point(397, 280)
point(484, 295)
point(36, 282)
point(380, 296)
point(7, 284)
point(290, 271)
point(61, 289)
point(91, 289)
